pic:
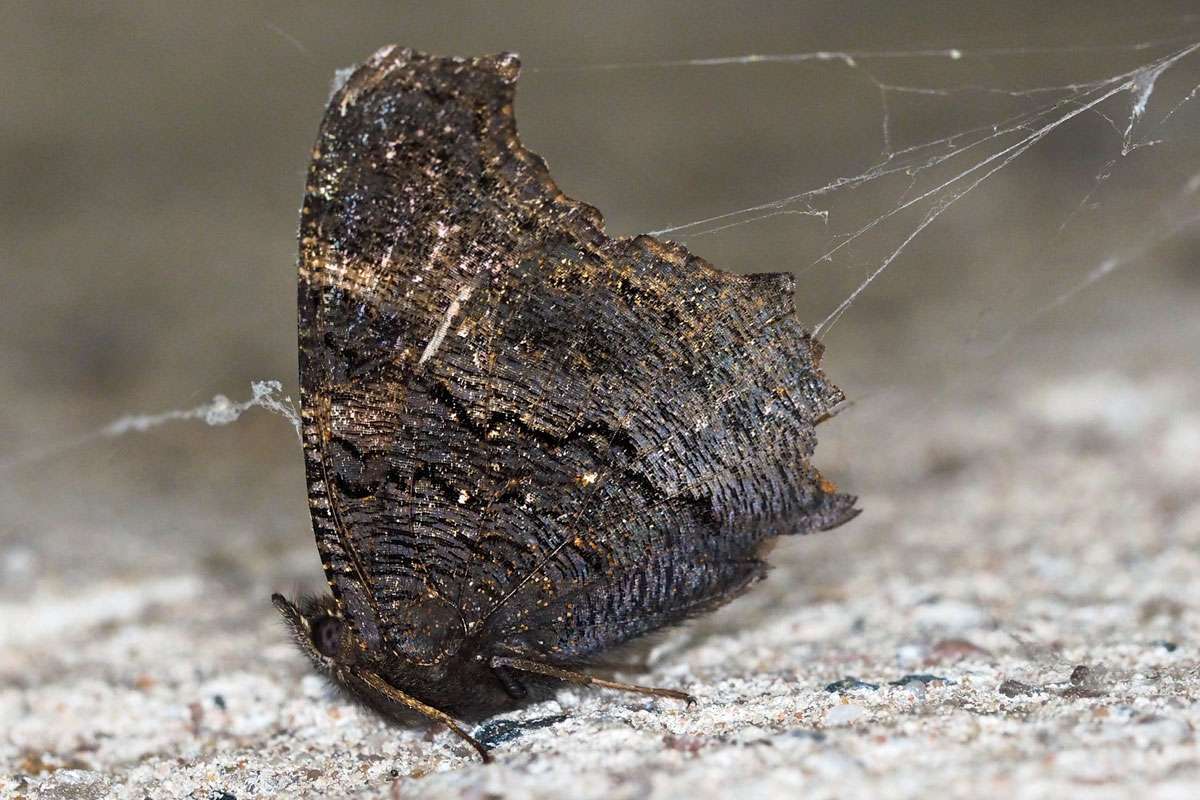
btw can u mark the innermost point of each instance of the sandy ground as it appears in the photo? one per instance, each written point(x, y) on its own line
point(1014, 613)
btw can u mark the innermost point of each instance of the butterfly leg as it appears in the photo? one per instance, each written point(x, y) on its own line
point(392, 693)
point(511, 683)
point(581, 679)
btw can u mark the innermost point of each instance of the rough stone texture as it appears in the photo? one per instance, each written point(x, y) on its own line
point(1020, 590)
point(1025, 513)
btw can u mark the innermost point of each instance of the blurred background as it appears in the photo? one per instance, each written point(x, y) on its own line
point(152, 158)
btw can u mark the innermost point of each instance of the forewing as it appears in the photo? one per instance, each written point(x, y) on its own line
point(512, 421)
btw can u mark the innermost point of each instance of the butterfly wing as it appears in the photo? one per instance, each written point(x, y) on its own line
point(515, 426)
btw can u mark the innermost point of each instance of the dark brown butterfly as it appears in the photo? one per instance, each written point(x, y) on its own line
point(526, 442)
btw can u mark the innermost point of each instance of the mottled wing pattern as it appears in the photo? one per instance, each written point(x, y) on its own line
point(516, 427)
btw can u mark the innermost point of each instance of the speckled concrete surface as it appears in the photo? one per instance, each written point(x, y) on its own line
point(1014, 614)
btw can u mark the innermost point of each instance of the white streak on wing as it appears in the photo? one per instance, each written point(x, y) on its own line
point(464, 294)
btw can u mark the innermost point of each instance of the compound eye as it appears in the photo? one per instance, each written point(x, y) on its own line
point(327, 636)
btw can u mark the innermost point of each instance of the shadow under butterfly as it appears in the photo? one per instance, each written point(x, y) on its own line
point(526, 442)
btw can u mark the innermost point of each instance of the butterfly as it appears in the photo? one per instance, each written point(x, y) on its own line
point(526, 442)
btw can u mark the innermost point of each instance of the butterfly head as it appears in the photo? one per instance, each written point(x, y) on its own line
point(320, 631)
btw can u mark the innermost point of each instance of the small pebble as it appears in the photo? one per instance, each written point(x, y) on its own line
point(498, 731)
point(1011, 688)
point(845, 714)
point(922, 678)
point(849, 684)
